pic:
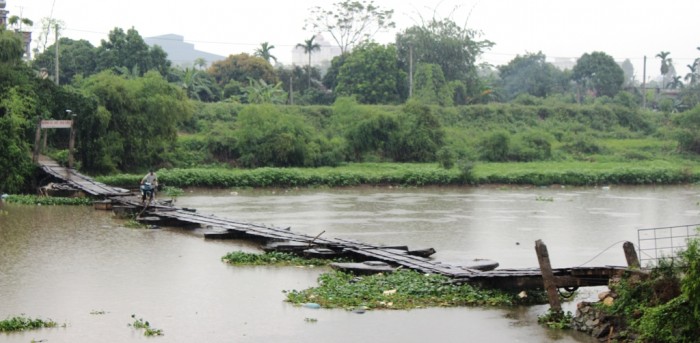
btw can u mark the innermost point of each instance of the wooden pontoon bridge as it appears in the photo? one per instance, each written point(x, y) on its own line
point(162, 214)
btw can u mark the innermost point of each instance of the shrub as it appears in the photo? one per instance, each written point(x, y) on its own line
point(531, 146)
point(495, 146)
point(446, 157)
point(582, 144)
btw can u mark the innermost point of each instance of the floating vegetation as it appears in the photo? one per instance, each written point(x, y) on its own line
point(310, 320)
point(21, 323)
point(403, 289)
point(544, 198)
point(94, 312)
point(273, 258)
point(44, 200)
point(148, 330)
point(134, 224)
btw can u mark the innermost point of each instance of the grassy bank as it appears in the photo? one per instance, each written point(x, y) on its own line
point(578, 173)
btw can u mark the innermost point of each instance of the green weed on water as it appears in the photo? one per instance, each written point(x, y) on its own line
point(21, 323)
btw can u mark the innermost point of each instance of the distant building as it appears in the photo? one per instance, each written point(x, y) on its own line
point(180, 53)
point(564, 63)
point(26, 35)
point(321, 58)
point(3, 13)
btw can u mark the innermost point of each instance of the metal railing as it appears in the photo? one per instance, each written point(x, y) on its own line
point(664, 242)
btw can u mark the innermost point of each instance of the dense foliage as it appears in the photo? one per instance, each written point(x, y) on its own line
point(135, 123)
point(664, 307)
point(134, 111)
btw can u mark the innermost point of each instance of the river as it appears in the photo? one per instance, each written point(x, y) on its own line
point(88, 271)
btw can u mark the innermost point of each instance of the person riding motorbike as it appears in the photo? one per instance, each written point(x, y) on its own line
point(148, 186)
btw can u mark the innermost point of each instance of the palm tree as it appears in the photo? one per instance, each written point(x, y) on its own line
point(665, 64)
point(692, 77)
point(675, 83)
point(309, 47)
point(264, 52)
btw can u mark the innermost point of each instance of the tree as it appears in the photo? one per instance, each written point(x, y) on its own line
point(267, 137)
point(11, 49)
point(675, 83)
point(530, 74)
point(420, 137)
point(15, 108)
point(371, 74)
point(264, 52)
point(628, 69)
point(76, 58)
point(135, 123)
point(24, 99)
point(259, 92)
point(350, 22)
point(309, 47)
point(330, 79)
point(240, 68)
point(692, 76)
point(440, 41)
point(665, 65)
point(293, 79)
point(431, 86)
point(598, 72)
point(197, 83)
point(128, 50)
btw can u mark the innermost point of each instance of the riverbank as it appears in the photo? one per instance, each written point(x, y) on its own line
point(575, 173)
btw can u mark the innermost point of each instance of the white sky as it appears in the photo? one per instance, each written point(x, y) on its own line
point(559, 28)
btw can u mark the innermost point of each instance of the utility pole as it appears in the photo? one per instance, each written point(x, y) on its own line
point(644, 83)
point(291, 88)
point(410, 71)
point(56, 76)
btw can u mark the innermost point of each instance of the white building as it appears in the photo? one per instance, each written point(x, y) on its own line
point(321, 57)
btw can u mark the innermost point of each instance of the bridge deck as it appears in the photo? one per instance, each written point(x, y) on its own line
point(79, 181)
point(527, 278)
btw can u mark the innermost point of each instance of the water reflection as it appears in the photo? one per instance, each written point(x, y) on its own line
point(65, 262)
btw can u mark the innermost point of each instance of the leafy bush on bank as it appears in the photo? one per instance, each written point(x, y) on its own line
point(664, 307)
point(416, 174)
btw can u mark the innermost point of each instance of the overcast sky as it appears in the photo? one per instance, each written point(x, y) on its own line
point(559, 28)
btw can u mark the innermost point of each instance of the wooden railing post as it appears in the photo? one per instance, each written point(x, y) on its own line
point(548, 276)
point(631, 255)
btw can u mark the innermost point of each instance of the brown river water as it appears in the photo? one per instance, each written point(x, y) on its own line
point(86, 270)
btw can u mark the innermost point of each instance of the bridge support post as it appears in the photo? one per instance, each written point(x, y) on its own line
point(548, 276)
point(37, 141)
point(631, 255)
